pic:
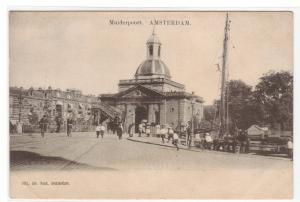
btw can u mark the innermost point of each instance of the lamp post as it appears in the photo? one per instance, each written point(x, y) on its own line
point(19, 125)
point(192, 123)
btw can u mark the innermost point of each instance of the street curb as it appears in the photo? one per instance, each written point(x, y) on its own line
point(133, 140)
point(210, 151)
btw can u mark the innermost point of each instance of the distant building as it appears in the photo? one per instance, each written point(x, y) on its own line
point(153, 96)
point(256, 131)
point(27, 106)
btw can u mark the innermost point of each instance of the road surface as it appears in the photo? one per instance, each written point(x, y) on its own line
point(85, 151)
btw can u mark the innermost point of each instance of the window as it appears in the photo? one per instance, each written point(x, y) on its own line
point(172, 109)
point(151, 50)
point(159, 51)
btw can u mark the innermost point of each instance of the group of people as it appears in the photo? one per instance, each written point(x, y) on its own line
point(100, 128)
point(202, 140)
point(44, 123)
point(165, 132)
point(226, 143)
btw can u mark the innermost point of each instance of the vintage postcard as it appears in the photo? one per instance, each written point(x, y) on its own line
point(151, 105)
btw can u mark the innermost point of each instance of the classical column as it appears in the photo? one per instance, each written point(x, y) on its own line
point(163, 112)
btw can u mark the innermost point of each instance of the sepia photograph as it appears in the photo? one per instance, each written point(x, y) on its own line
point(151, 104)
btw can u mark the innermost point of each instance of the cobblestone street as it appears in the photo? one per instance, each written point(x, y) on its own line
point(101, 165)
point(85, 151)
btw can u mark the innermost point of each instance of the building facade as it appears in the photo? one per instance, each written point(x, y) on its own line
point(28, 106)
point(151, 96)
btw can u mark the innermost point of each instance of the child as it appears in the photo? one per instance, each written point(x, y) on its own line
point(98, 128)
point(175, 140)
point(170, 133)
point(102, 129)
point(163, 132)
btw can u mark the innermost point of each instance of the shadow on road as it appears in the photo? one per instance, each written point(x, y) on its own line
point(34, 161)
point(280, 155)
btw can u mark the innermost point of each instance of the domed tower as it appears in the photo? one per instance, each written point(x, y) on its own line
point(153, 72)
point(153, 66)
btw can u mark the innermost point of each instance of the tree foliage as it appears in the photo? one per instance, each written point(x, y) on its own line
point(269, 103)
point(209, 112)
point(240, 108)
point(274, 97)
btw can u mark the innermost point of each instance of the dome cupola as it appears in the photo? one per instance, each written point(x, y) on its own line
point(153, 66)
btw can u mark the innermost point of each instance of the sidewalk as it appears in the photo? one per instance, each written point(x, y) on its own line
point(158, 141)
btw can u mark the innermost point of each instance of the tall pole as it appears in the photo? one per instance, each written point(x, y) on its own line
point(20, 105)
point(224, 79)
point(192, 124)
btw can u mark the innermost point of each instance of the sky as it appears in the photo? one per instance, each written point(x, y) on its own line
point(83, 50)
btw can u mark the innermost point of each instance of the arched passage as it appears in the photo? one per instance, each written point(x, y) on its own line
point(140, 114)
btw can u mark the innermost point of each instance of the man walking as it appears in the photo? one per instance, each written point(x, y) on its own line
point(58, 124)
point(43, 125)
point(120, 131)
point(69, 127)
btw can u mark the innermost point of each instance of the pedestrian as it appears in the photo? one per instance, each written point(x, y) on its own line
point(226, 143)
point(216, 144)
point(69, 127)
point(247, 142)
point(131, 129)
point(175, 140)
point(98, 130)
point(170, 133)
point(163, 132)
point(140, 129)
point(120, 131)
point(197, 140)
point(58, 123)
point(43, 125)
point(157, 130)
point(148, 130)
point(208, 141)
point(102, 130)
point(290, 148)
point(189, 135)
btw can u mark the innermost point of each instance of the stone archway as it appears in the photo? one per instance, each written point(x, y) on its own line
point(141, 113)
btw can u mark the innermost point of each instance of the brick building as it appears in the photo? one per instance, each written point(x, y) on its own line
point(28, 106)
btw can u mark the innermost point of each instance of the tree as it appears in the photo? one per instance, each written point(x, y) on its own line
point(273, 95)
point(205, 126)
point(209, 112)
point(241, 110)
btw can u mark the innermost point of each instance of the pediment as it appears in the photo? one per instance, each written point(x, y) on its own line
point(139, 92)
point(136, 93)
